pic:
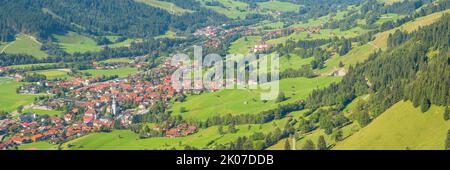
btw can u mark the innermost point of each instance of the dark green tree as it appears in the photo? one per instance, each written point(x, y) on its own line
point(287, 145)
point(447, 114)
point(309, 145)
point(321, 143)
point(425, 105)
point(447, 141)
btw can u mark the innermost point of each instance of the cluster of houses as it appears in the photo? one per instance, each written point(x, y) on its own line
point(2, 69)
point(91, 105)
point(30, 127)
point(262, 46)
point(181, 130)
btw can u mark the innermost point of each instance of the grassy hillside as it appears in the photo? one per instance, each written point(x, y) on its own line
point(169, 7)
point(247, 101)
point(233, 9)
point(401, 126)
point(73, 42)
point(243, 45)
point(24, 44)
point(361, 53)
point(279, 6)
point(10, 100)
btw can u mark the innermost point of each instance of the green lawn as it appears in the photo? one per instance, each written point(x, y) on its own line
point(42, 145)
point(293, 62)
point(324, 34)
point(44, 112)
point(169, 7)
point(233, 9)
point(169, 34)
point(117, 60)
point(10, 100)
point(241, 46)
point(22, 66)
point(121, 72)
point(53, 73)
point(401, 126)
point(24, 44)
point(73, 42)
point(279, 6)
point(235, 101)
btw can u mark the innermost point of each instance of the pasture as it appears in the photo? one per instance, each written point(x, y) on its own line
point(10, 100)
point(400, 127)
point(237, 101)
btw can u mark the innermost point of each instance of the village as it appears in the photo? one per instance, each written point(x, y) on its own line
point(90, 105)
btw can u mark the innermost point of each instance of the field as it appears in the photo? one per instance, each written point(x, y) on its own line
point(10, 100)
point(400, 127)
point(390, 1)
point(235, 101)
point(43, 112)
point(73, 42)
point(324, 34)
point(24, 44)
point(293, 62)
point(169, 34)
point(121, 72)
point(169, 7)
point(53, 73)
point(22, 66)
point(233, 9)
point(243, 45)
point(43, 145)
point(116, 60)
point(279, 6)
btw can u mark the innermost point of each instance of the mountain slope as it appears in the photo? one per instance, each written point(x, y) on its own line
point(401, 126)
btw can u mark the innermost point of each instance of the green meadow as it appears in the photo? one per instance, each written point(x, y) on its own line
point(169, 7)
point(44, 112)
point(279, 6)
point(117, 60)
point(169, 34)
point(53, 73)
point(233, 9)
point(24, 44)
point(236, 101)
point(401, 127)
point(73, 42)
point(324, 34)
point(121, 72)
point(10, 100)
point(22, 66)
point(244, 45)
